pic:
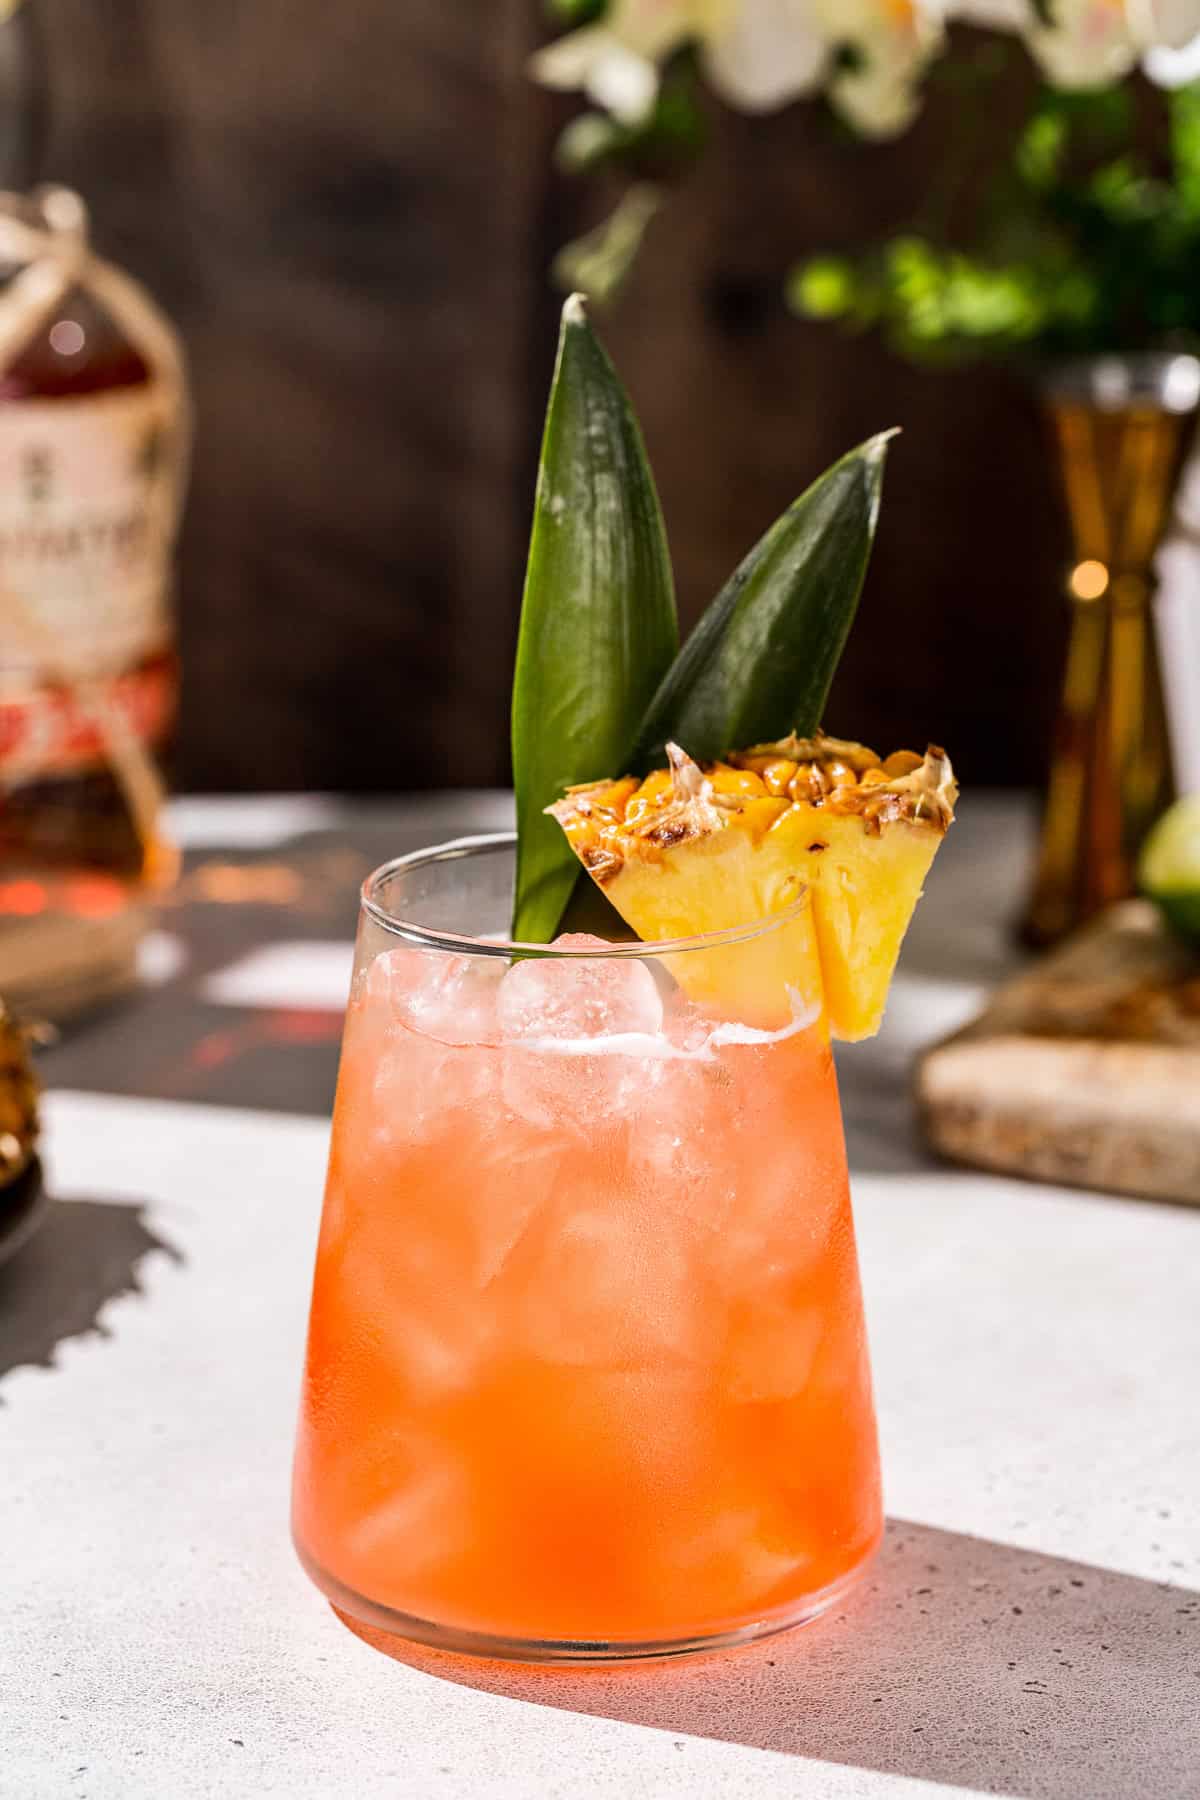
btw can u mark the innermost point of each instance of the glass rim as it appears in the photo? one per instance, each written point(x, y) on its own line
point(427, 937)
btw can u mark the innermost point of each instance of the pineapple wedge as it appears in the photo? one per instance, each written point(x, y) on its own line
point(692, 850)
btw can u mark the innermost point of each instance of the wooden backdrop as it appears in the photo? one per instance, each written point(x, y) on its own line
point(349, 208)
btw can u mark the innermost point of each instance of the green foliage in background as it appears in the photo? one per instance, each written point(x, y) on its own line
point(574, 12)
point(1086, 242)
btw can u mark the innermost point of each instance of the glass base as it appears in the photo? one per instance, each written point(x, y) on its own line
point(463, 1642)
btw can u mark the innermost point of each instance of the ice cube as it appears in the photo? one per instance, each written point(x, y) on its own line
point(415, 1293)
point(599, 1284)
point(772, 1348)
point(421, 1087)
point(441, 1349)
point(515, 1171)
point(569, 1091)
point(443, 996)
point(427, 1021)
point(740, 1551)
point(425, 1519)
point(582, 1042)
point(572, 998)
point(685, 1137)
point(787, 1216)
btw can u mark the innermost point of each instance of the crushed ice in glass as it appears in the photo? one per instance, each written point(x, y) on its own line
point(581, 1038)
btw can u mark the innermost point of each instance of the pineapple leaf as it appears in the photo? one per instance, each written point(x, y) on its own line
point(598, 625)
point(760, 662)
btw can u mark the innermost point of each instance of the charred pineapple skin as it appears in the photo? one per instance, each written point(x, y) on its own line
point(694, 849)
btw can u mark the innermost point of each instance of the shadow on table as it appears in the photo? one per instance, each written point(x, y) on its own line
point(958, 1661)
point(84, 1254)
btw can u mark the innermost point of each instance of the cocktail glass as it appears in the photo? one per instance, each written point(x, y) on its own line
point(587, 1374)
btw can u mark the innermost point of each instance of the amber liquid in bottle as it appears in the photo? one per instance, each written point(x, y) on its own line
point(77, 816)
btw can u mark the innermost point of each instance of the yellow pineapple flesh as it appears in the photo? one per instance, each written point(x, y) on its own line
point(692, 849)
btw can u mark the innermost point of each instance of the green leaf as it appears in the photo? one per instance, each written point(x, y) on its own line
point(760, 662)
point(598, 625)
point(602, 260)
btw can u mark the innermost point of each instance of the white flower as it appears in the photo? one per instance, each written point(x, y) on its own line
point(1144, 22)
point(620, 80)
point(760, 54)
point(892, 42)
point(766, 53)
point(1083, 38)
point(1173, 56)
point(1090, 43)
point(997, 15)
point(1172, 23)
point(1174, 68)
point(616, 61)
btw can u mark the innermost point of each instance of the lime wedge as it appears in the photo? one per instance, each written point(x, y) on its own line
point(1169, 867)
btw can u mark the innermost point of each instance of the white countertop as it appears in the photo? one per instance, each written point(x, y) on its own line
point(1032, 1627)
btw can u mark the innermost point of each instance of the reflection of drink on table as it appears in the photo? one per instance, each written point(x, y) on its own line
point(587, 1356)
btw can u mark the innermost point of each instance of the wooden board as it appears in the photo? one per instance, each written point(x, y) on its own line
point(1084, 1070)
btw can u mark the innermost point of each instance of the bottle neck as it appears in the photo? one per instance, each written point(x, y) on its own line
point(24, 96)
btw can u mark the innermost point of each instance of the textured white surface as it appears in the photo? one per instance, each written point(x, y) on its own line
point(1036, 1355)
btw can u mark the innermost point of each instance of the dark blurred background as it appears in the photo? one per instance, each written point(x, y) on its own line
point(350, 210)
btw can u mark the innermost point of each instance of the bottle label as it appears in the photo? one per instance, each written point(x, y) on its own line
point(87, 517)
point(53, 732)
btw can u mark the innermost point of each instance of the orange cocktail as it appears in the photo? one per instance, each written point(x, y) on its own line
point(586, 1372)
